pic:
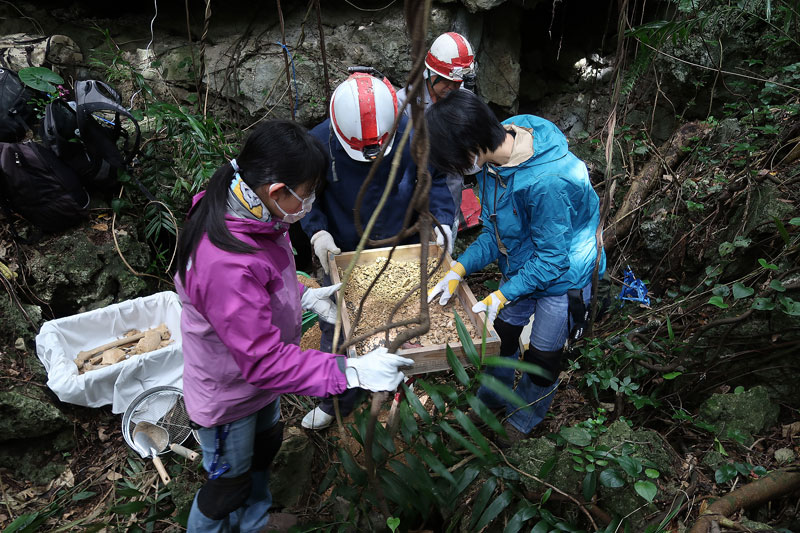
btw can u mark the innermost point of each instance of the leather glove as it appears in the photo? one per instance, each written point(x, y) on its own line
point(322, 241)
point(490, 305)
point(377, 370)
point(447, 286)
point(319, 301)
point(444, 238)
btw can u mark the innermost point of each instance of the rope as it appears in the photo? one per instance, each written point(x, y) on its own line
point(293, 79)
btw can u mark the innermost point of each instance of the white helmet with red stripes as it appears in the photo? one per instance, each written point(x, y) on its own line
point(451, 57)
point(363, 109)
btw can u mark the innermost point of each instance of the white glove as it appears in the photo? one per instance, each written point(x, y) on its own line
point(322, 241)
point(491, 305)
point(319, 301)
point(446, 237)
point(377, 370)
point(447, 286)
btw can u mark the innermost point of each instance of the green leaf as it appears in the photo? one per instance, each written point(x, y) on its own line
point(726, 248)
point(765, 264)
point(86, 494)
point(741, 242)
point(356, 473)
point(777, 285)
point(576, 435)
point(473, 431)
point(795, 221)
point(670, 333)
point(466, 342)
point(646, 489)
point(630, 465)
point(725, 473)
point(433, 392)
point(716, 300)
point(671, 375)
point(485, 413)
point(720, 290)
point(432, 461)
point(496, 507)
point(40, 78)
point(763, 304)
point(781, 230)
point(740, 291)
point(547, 466)
point(520, 517)
point(129, 507)
point(789, 306)
point(481, 500)
point(128, 492)
point(458, 368)
point(589, 485)
point(501, 389)
point(611, 478)
point(738, 390)
point(459, 438)
point(416, 405)
point(392, 523)
point(652, 473)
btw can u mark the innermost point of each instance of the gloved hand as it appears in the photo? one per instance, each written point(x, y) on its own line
point(490, 305)
point(322, 241)
point(319, 301)
point(377, 370)
point(447, 286)
point(444, 239)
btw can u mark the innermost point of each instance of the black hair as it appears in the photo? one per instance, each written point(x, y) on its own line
point(460, 125)
point(277, 151)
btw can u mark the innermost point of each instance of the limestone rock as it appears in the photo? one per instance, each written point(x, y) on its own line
point(291, 470)
point(28, 413)
point(747, 413)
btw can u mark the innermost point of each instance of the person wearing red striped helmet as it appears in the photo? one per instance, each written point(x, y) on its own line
point(450, 62)
point(362, 112)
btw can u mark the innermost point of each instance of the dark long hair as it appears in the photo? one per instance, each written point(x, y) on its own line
point(459, 125)
point(277, 151)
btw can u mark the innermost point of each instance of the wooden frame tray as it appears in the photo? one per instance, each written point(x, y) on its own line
point(432, 358)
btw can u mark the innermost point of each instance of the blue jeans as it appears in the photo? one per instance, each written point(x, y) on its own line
point(548, 333)
point(238, 453)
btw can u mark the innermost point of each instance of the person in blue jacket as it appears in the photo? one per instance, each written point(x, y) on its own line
point(362, 111)
point(540, 216)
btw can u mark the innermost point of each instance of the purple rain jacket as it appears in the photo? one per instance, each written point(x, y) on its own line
point(241, 325)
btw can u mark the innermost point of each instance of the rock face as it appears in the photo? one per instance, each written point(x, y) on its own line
point(32, 434)
point(740, 415)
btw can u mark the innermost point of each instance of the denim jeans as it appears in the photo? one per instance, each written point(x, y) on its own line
point(238, 453)
point(548, 333)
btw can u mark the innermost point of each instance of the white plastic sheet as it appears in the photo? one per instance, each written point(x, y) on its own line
point(60, 340)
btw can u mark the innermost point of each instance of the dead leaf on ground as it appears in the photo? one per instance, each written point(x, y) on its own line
point(100, 227)
point(102, 435)
point(114, 476)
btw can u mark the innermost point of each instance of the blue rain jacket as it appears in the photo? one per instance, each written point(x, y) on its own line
point(333, 210)
point(545, 213)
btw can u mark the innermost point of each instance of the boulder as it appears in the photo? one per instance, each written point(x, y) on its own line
point(290, 473)
point(743, 414)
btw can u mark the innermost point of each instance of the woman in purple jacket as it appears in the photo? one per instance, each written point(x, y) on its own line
point(241, 324)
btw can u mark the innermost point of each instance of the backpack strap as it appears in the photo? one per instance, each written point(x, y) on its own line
point(94, 95)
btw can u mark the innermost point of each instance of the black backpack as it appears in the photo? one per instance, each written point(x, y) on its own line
point(35, 184)
point(16, 114)
point(88, 135)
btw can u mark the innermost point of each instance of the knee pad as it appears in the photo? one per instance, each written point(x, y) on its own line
point(266, 446)
point(509, 336)
point(549, 362)
point(219, 497)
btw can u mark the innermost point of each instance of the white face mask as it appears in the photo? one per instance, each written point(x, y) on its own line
point(475, 168)
point(304, 209)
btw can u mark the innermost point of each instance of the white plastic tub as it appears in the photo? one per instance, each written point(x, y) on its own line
point(60, 340)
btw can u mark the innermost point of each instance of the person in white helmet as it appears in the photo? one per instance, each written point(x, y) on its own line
point(362, 111)
point(450, 65)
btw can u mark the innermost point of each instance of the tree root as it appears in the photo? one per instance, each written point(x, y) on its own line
point(769, 487)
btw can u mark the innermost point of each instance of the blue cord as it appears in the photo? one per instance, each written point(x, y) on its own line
point(294, 79)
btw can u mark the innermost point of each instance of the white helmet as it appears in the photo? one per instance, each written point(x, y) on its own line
point(363, 109)
point(451, 57)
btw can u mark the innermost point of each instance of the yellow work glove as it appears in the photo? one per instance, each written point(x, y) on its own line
point(490, 305)
point(447, 286)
